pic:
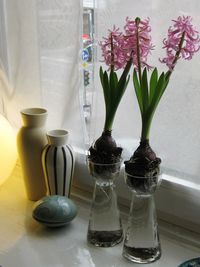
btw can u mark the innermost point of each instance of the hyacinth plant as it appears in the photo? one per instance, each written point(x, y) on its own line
point(182, 42)
point(116, 56)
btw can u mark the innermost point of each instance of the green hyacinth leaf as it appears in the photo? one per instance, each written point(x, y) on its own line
point(121, 88)
point(125, 72)
point(115, 78)
point(115, 97)
point(119, 91)
point(158, 93)
point(101, 76)
point(153, 83)
point(137, 90)
point(166, 83)
point(106, 88)
point(127, 81)
point(144, 90)
point(163, 87)
point(123, 82)
point(113, 92)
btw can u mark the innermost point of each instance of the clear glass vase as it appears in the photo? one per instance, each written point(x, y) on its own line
point(142, 244)
point(105, 227)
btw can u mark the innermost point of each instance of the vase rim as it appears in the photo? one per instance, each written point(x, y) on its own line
point(33, 111)
point(144, 177)
point(105, 164)
point(57, 133)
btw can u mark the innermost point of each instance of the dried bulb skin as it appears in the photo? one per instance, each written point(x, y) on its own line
point(144, 161)
point(105, 150)
point(105, 142)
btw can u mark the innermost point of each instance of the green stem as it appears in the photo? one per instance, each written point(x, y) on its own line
point(110, 115)
point(108, 123)
point(146, 118)
point(146, 125)
point(176, 56)
point(110, 112)
point(112, 53)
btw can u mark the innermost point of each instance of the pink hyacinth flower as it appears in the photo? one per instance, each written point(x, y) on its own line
point(113, 51)
point(144, 38)
point(176, 47)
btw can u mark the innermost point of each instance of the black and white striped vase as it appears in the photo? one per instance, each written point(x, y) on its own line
point(58, 163)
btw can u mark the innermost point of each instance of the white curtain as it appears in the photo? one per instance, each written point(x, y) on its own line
point(40, 59)
point(175, 132)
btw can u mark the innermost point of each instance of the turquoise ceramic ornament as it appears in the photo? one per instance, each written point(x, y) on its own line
point(54, 211)
point(191, 263)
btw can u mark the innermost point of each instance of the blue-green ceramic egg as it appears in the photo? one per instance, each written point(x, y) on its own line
point(54, 211)
point(191, 263)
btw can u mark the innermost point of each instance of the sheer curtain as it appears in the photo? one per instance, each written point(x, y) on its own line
point(175, 132)
point(40, 51)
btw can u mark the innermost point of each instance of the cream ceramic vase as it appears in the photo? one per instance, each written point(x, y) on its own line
point(58, 163)
point(31, 140)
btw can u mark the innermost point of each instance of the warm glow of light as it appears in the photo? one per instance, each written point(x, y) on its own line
point(8, 150)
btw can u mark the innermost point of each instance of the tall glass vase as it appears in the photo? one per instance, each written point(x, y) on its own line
point(142, 244)
point(105, 228)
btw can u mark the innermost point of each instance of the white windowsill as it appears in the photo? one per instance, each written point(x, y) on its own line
point(24, 242)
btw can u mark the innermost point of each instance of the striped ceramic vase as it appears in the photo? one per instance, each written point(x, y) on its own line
point(58, 163)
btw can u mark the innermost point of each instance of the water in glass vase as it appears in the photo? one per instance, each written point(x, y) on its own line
point(142, 243)
point(105, 227)
point(141, 255)
point(105, 238)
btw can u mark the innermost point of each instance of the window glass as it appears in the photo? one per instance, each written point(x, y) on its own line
point(175, 132)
